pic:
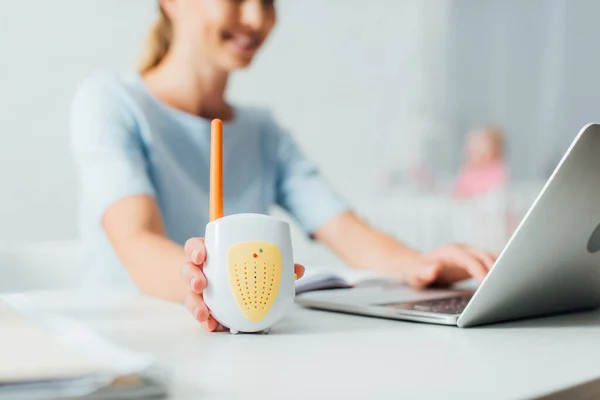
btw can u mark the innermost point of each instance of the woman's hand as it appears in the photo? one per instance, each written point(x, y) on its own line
point(192, 274)
point(364, 247)
point(447, 265)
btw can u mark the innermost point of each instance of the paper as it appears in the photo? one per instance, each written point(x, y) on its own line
point(43, 355)
point(28, 353)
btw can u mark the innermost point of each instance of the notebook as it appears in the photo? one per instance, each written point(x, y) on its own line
point(325, 278)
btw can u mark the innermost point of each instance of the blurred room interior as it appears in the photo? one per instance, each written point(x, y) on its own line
point(387, 97)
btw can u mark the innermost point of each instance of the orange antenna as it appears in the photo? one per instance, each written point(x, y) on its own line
point(216, 169)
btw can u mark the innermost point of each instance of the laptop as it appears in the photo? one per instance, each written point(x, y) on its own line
point(550, 265)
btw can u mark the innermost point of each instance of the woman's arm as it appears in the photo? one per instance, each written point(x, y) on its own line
point(116, 189)
point(135, 229)
point(158, 266)
point(361, 246)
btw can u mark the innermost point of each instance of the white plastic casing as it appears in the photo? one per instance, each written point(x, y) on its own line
point(219, 294)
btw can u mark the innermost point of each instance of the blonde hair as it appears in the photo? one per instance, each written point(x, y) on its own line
point(157, 44)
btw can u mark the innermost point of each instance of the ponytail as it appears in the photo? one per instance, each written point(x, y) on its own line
point(157, 44)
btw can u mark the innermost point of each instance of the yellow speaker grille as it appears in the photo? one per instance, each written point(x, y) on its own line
point(254, 271)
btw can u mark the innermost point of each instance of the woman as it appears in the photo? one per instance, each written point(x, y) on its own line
point(141, 144)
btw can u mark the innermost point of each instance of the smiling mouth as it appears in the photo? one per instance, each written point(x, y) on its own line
point(244, 43)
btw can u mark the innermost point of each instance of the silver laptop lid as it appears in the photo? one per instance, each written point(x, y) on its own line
point(552, 262)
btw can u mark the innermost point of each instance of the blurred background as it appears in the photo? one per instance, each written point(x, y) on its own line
point(407, 106)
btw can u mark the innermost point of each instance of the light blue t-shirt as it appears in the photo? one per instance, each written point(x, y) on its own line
point(127, 142)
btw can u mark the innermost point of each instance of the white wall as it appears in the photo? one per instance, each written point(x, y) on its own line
point(46, 48)
point(328, 72)
point(359, 83)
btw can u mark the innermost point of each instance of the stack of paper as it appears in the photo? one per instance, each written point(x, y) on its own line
point(44, 356)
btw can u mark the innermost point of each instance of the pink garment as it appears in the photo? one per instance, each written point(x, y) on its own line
point(477, 181)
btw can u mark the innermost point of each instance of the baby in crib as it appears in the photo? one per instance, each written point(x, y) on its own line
point(484, 169)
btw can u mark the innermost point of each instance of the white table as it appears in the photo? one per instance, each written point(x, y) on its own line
point(314, 354)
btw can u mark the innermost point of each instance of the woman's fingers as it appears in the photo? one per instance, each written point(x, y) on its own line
point(195, 250)
point(299, 271)
point(425, 276)
point(488, 259)
point(456, 256)
point(211, 324)
point(195, 305)
point(451, 274)
point(467, 261)
point(194, 277)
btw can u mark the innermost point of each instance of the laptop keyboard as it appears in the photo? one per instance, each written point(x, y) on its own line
point(446, 305)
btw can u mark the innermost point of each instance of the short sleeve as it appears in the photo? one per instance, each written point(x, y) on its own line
point(301, 189)
point(107, 146)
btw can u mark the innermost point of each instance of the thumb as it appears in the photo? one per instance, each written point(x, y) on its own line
point(429, 273)
point(298, 271)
